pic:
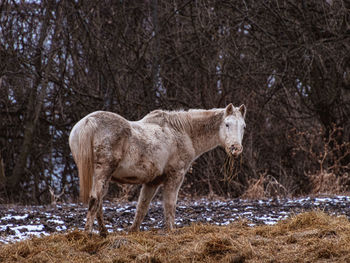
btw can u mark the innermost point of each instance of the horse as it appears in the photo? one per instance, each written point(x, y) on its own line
point(156, 150)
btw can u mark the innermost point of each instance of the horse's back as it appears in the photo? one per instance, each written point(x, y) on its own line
point(108, 119)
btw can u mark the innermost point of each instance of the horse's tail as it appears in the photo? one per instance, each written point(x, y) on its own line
point(81, 144)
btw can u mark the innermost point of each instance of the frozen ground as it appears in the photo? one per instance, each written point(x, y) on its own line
point(20, 222)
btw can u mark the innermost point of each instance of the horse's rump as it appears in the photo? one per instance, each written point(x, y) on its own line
point(81, 140)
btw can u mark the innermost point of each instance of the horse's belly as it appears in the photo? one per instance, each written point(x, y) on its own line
point(136, 173)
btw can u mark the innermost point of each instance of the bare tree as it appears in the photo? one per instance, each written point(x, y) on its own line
point(287, 60)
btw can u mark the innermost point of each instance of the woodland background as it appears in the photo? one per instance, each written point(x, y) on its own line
point(288, 61)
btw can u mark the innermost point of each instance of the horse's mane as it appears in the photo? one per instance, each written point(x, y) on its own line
point(177, 120)
point(181, 120)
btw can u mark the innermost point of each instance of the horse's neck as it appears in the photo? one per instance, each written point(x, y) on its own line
point(205, 126)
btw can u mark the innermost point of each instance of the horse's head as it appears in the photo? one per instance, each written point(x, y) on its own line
point(232, 129)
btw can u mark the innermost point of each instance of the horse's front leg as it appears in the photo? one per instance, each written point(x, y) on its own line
point(146, 195)
point(99, 190)
point(170, 193)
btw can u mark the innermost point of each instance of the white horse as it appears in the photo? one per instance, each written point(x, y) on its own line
point(156, 150)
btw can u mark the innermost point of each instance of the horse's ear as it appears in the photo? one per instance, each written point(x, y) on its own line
point(229, 109)
point(243, 110)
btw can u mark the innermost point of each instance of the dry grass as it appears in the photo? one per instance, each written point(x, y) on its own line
point(308, 237)
point(265, 187)
point(329, 183)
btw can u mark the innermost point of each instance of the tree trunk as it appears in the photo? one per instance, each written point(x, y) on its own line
point(2, 172)
point(35, 102)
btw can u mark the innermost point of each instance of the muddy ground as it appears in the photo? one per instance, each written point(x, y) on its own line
point(19, 222)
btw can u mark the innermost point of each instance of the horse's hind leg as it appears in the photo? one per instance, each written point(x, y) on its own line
point(146, 195)
point(170, 192)
point(98, 191)
point(100, 221)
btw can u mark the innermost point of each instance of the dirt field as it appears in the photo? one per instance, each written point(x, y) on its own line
point(20, 222)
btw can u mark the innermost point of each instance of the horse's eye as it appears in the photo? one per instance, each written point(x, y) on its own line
point(227, 125)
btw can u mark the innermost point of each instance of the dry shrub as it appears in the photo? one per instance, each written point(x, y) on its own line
point(329, 183)
point(307, 237)
point(326, 159)
point(265, 187)
point(255, 189)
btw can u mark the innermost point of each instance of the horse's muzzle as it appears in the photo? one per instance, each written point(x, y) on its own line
point(236, 149)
